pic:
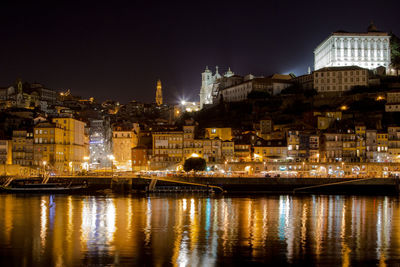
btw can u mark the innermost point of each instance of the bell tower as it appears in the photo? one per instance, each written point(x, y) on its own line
point(159, 99)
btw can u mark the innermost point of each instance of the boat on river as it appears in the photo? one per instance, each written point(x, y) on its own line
point(29, 186)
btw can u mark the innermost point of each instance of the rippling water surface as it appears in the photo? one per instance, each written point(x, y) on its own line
point(56, 230)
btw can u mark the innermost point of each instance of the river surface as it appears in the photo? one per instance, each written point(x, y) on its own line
point(195, 230)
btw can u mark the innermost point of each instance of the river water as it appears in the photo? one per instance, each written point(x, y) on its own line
point(195, 230)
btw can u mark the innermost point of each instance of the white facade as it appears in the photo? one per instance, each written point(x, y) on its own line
point(208, 82)
point(239, 92)
point(367, 50)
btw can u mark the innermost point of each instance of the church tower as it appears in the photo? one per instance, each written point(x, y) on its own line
point(159, 99)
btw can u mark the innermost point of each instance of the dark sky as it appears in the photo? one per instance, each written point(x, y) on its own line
point(118, 49)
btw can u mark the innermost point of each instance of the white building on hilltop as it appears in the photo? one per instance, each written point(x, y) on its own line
point(367, 50)
point(208, 82)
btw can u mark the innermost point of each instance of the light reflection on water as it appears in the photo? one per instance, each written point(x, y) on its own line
point(195, 230)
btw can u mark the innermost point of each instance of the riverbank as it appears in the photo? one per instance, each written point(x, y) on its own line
point(239, 185)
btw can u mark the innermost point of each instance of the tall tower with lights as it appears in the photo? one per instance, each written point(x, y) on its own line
point(159, 99)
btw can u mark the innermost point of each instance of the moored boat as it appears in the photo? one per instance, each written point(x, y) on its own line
point(27, 187)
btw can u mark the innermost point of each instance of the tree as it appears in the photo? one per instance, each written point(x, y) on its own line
point(395, 52)
point(196, 164)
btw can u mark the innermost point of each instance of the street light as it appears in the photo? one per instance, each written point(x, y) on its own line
point(111, 157)
point(44, 167)
point(71, 171)
point(85, 164)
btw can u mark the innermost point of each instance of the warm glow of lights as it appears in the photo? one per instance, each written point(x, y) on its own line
point(43, 221)
point(194, 155)
point(380, 98)
point(184, 204)
point(257, 156)
point(344, 107)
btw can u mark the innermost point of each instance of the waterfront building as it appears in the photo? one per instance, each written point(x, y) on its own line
point(331, 148)
point(159, 97)
point(313, 154)
point(228, 150)
point(368, 50)
point(50, 148)
point(5, 152)
point(74, 142)
point(293, 144)
point(167, 148)
point(124, 138)
point(142, 153)
point(360, 131)
point(22, 147)
point(270, 150)
point(382, 142)
point(394, 143)
point(339, 79)
point(349, 150)
point(371, 146)
point(99, 143)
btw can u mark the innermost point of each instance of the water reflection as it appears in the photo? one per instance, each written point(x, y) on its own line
point(181, 231)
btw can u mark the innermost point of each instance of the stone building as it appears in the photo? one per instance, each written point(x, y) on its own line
point(368, 50)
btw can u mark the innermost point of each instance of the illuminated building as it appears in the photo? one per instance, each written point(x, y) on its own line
point(61, 143)
point(225, 134)
point(5, 152)
point(382, 143)
point(339, 79)
point(371, 145)
point(208, 84)
point(142, 153)
point(99, 143)
point(270, 150)
point(124, 138)
point(394, 143)
point(366, 50)
point(228, 150)
point(73, 141)
point(159, 98)
point(331, 147)
point(49, 146)
point(349, 143)
point(167, 148)
point(22, 147)
point(239, 91)
point(360, 131)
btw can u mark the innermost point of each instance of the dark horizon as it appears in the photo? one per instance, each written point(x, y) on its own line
point(118, 51)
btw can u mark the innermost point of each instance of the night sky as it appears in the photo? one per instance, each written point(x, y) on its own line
point(118, 49)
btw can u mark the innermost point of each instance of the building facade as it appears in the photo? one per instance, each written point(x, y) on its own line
point(367, 50)
point(339, 79)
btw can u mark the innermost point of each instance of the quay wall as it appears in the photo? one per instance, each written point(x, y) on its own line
point(379, 186)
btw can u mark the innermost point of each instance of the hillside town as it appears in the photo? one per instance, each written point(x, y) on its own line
point(341, 119)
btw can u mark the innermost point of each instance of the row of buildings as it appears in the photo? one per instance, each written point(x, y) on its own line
point(341, 62)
